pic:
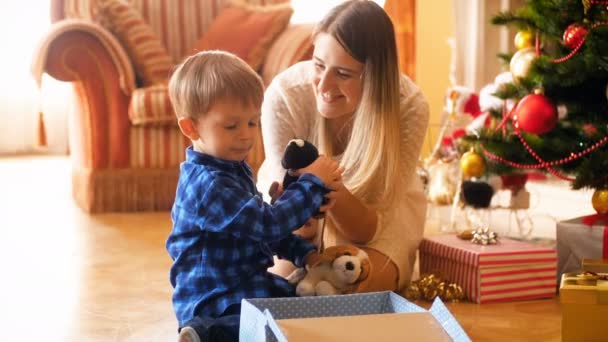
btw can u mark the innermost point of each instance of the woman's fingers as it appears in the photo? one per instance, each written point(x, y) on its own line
point(276, 189)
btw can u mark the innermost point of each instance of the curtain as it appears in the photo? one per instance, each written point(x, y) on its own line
point(477, 42)
point(403, 15)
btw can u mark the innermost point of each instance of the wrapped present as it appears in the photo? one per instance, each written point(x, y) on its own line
point(579, 238)
point(584, 299)
point(383, 316)
point(506, 271)
point(595, 265)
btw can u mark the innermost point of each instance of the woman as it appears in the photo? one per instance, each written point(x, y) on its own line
point(351, 101)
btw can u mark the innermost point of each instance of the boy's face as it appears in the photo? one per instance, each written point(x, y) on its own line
point(228, 131)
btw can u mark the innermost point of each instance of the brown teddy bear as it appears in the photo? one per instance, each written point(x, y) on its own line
point(338, 270)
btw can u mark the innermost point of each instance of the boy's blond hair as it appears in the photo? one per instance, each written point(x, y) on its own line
point(209, 76)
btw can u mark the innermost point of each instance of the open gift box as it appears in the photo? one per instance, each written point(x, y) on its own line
point(380, 316)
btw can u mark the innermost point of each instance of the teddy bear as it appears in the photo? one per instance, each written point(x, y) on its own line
point(338, 270)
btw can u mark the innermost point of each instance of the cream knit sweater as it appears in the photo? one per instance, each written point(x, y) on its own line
point(289, 111)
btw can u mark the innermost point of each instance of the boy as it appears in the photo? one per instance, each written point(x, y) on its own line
point(224, 236)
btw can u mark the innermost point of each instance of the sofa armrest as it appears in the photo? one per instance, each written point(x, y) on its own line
point(91, 58)
point(111, 45)
point(292, 46)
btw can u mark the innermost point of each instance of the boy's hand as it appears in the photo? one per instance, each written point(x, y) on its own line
point(327, 170)
point(330, 198)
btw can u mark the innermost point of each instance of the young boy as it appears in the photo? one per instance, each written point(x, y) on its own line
point(224, 236)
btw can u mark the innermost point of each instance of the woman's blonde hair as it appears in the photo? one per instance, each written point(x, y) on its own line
point(208, 76)
point(371, 158)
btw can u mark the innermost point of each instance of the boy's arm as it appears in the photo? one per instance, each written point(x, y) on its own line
point(227, 207)
point(293, 248)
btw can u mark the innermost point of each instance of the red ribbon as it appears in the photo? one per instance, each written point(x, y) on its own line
point(591, 220)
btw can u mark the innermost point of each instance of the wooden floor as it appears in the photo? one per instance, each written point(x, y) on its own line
point(68, 276)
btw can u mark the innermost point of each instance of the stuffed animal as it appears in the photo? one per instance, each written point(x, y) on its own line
point(338, 271)
point(298, 154)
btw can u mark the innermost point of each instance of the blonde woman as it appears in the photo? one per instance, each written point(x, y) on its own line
point(351, 101)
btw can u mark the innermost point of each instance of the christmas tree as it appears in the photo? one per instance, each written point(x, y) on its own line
point(553, 112)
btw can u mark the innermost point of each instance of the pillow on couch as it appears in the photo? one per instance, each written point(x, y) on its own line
point(150, 58)
point(294, 45)
point(245, 30)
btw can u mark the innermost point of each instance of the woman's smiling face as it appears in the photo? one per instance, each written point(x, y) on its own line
point(338, 81)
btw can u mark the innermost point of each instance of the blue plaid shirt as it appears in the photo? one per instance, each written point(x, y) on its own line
point(224, 235)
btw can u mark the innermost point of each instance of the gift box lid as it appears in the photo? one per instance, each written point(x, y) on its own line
point(595, 265)
point(594, 220)
point(579, 288)
point(259, 316)
point(507, 252)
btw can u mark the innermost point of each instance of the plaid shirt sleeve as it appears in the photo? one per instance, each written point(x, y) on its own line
point(234, 210)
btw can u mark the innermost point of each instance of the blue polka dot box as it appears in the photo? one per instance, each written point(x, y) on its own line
point(375, 316)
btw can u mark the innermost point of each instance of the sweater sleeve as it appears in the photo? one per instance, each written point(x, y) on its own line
point(414, 123)
point(287, 113)
point(276, 133)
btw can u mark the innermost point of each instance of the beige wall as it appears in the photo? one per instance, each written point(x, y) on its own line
point(434, 26)
point(476, 63)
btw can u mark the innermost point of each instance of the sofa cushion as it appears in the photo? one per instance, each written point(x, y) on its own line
point(150, 106)
point(247, 31)
point(151, 60)
point(156, 147)
point(292, 46)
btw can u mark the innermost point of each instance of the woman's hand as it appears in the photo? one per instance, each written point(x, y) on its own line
point(309, 230)
point(326, 169)
point(275, 191)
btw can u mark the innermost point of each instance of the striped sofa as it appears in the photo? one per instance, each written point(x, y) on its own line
point(124, 141)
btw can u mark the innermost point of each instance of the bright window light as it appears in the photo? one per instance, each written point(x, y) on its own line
point(311, 11)
point(22, 24)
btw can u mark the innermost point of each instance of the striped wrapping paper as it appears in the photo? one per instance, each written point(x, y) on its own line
point(510, 270)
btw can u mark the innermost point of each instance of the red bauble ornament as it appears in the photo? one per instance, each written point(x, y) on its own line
point(535, 114)
point(574, 35)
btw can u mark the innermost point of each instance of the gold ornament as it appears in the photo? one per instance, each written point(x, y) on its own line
point(599, 200)
point(521, 62)
point(586, 6)
point(472, 164)
point(430, 286)
point(524, 39)
point(466, 234)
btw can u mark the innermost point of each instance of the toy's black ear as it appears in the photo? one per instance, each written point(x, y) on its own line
point(299, 153)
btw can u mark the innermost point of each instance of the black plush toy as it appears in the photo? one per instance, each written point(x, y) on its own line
point(298, 154)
